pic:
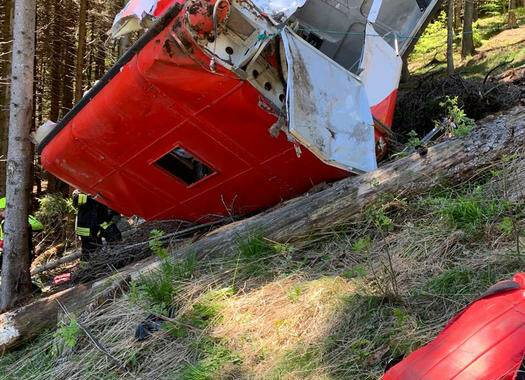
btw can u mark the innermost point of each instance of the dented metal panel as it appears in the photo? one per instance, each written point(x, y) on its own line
point(328, 110)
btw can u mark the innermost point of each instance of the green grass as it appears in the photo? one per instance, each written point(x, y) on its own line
point(304, 360)
point(205, 312)
point(472, 211)
point(432, 45)
point(478, 69)
point(212, 357)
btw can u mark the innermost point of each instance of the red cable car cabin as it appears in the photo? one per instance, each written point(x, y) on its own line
point(208, 113)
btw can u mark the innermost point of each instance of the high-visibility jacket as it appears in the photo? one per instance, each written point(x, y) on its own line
point(93, 218)
point(486, 341)
point(2, 234)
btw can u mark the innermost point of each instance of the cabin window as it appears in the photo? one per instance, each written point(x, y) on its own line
point(184, 166)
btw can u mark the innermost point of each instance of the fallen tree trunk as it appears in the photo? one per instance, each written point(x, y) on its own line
point(450, 162)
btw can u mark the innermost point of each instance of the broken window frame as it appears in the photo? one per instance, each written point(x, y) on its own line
point(185, 161)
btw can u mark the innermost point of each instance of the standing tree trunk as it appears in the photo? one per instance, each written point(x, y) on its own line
point(467, 40)
point(16, 278)
point(68, 67)
point(5, 50)
point(450, 38)
point(512, 16)
point(457, 14)
point(81, 50)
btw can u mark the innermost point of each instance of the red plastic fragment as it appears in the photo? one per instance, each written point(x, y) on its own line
point(61, 279)
point(486, 341)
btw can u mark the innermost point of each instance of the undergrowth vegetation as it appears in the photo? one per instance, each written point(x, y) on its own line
point(57, 214)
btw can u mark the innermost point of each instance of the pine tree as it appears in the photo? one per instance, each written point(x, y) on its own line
point(467, 40)
point(16, 279)
point(450, 38)
point(5, 73)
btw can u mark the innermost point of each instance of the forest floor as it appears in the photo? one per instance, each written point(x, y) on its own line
point(341, 306)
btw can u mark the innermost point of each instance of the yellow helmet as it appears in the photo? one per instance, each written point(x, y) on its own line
point(2, 203)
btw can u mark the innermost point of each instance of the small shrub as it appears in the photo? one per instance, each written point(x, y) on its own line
point(454, 120)
point(355, 271)
point(69, 333)
point(379, 217)
point(363, 246)
point(57, 214)
point(158, 288)
point(413, 140)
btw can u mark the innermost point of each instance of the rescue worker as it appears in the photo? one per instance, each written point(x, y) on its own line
point(2, 216)
point(34, 226)
point(94, 222)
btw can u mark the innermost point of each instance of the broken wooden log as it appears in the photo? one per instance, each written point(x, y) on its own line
point(56, 263)
point(451, 162)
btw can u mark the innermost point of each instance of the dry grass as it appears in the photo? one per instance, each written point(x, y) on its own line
point(279, 317)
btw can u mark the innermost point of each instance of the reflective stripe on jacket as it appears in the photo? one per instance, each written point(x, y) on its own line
point(83, 231)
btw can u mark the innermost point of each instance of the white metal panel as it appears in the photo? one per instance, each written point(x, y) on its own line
point(130, 17)
point(381, 67)
point(328, 111)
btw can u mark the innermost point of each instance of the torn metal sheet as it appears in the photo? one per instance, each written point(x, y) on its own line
point(132, 17)
point(328, 110)
point(279, 10)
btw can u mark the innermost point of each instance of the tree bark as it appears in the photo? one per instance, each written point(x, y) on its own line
point(16, 279)
point(56, 61)
point(450, 38)
point(68, 76)
point(512, 15)
point(5, 90)
point(81, 51)
point(451, 162)
point(467, 40)
point(457, 14)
